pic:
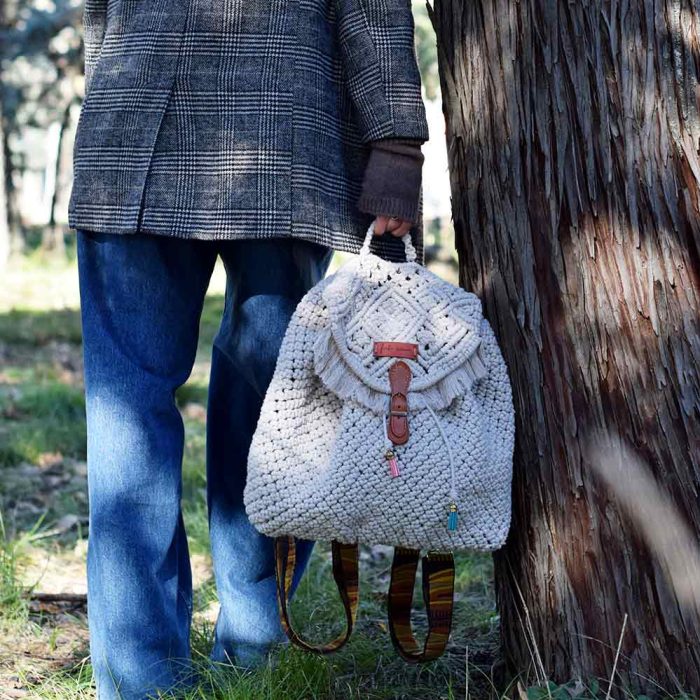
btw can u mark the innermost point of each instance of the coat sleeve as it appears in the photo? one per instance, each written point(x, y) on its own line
point(94, 25)
point(380, 67)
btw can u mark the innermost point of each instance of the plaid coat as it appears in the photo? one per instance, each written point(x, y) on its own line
point(222, 119)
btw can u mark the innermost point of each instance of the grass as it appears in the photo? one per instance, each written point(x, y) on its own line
point(12, 603)
point(42, 541)
point(42, 448)
point(40, 418)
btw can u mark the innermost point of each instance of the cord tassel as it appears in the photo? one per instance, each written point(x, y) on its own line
point(389, 453)
point(452, 518)
point(390, 456)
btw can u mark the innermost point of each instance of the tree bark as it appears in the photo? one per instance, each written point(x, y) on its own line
point(572, 132)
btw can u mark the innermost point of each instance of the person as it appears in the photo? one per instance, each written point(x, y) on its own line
point(269, 133)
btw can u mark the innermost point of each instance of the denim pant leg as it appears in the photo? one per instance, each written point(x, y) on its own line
point(141, 301)
point(266, 280)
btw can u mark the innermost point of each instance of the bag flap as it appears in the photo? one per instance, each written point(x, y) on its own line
point(377, 300)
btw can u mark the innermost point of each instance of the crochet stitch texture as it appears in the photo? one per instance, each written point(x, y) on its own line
point(316, 465)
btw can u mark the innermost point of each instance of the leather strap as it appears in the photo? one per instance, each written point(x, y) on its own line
point(392, 348)
point(345, 573)
point(438, 594)
point(399, 379)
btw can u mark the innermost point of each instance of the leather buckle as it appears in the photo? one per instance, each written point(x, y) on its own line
point(397, 422)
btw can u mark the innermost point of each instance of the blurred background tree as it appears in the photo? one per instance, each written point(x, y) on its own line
point(426, 51)
point(40, 92)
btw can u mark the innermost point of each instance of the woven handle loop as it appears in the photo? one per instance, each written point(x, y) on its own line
point(346, 575)
point(406, 238)
point(438, 594)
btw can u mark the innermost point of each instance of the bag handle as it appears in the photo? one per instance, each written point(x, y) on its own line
point(345, 573)
point(406, 238)
point(438, 593)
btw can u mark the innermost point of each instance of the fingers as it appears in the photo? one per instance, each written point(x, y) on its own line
point(380, 224)
point(397, 227)
point(403, 229)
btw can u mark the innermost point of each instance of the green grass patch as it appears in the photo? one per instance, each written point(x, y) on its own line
point(194, 502)
point(13, 603)
point(74, 683)
point(210, 320)
point(36, 328)
point(47, 417)
point(192, 392)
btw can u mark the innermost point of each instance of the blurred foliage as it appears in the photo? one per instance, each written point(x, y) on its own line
point(426, 50)
point(40, 60)
point(41, 69)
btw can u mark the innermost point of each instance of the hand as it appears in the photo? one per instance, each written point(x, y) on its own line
point(395, 226)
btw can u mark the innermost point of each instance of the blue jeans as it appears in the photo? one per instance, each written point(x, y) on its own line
point(141, 300)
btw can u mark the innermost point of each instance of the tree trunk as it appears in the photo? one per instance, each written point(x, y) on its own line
point(572, 132)
point(52, 239)
point(10, 194)
point(8, 16)
point(4, 212)
point(5, 243)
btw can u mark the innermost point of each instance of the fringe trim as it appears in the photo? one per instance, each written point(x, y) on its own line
point(337, 376)
point(457, 383)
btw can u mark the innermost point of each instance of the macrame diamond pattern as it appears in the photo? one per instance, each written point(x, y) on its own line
point(316, 466)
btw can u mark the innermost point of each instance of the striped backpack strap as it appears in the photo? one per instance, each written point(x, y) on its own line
point(346, 575)
point(438, 594)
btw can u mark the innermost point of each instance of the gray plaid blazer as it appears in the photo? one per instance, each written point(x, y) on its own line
point(222, 119)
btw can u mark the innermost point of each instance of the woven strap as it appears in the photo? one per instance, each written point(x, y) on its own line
point(345, 573)
point(438, 594)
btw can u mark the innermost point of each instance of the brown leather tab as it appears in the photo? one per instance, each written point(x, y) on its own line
point(399, 379)
point(389, 348)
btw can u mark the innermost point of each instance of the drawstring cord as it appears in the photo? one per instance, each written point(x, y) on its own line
point(452, 517)
point(453, 489)
point(390, 456)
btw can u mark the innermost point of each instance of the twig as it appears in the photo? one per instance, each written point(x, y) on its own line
point(617, 656)
point(466, 671)
point(529, 630)
point(74, 598)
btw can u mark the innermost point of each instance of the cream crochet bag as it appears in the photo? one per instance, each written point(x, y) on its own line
point(388, 420)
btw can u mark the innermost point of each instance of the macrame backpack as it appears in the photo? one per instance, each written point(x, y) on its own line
point(388, 420)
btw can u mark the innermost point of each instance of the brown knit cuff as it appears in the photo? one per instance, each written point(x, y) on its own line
point(392, 180)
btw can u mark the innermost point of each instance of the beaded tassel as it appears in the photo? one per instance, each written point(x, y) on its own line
point(452, 517)
point(390, 456)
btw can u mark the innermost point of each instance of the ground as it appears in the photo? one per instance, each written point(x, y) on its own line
point(43, 504)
